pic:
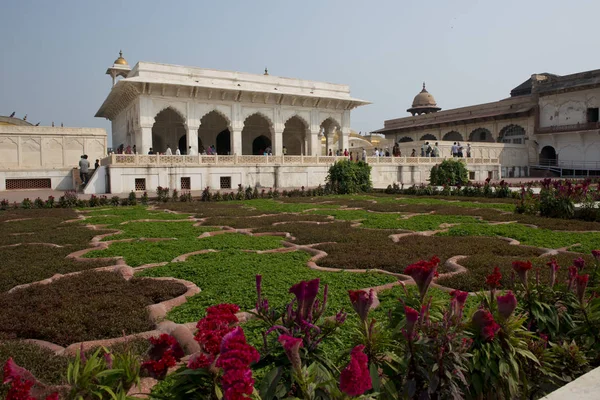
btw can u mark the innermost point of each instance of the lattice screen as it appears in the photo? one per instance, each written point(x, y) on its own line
point(186, 183)
point(15, 184)
point(225, 182)
point(140, 184)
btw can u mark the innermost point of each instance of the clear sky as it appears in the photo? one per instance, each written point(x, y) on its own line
point(54, 53)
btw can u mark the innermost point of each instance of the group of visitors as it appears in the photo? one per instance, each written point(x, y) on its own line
point(126, 150)
point(457, 150)
point(429, 151)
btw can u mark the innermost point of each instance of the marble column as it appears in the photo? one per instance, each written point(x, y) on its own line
point(236, 141)
point(277, 142)
point(192, 139)
point(314, 143)
point(143, 138)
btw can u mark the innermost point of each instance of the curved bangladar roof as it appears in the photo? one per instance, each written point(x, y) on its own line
point(146, 74)
point(5, 120)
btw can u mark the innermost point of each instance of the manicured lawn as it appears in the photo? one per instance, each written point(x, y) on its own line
point(183, 229)
point(141, 252)
point(229, 277)
point(113, 216)
point(583, 242)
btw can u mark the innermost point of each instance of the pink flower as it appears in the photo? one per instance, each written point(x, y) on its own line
point(291, 346)
point(484, 321)
point(306, 294)
point(412, 317)
point(458, 302)
point(554, 267)
point(235, 359)
point(521, 268)
point(506, 304)
point(579, 262)
point(362, 302)
point(355, 379)
point(581, 284)
point(422, 273)
point(493, 280)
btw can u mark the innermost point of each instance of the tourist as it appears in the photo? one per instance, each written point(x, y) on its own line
point(84, 167)
point(284, 151)
point(213, 149)
point(178, 152)
point(191, 151)
point(387, 152)
point(469, 150)
point(436, 150)
point(151, 151)
point(169, 152)
point(134, 150)
point(459, 150)
point(351, 157)
point(330, 153)
point(454, 150)
point(345, 152)
point(424, 148)
point(364, 155)
point(375, 152)
point(128, 149)
point(97, 164)
point(414, 153)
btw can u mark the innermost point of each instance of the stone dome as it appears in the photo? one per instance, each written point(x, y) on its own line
point(424, 99)
point(121, 60)
point(424, 103)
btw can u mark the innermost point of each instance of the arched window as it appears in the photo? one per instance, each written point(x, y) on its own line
point(453, 136)
point(512, 134)
point(481, 135)
point(428, 136)
point(405, 139)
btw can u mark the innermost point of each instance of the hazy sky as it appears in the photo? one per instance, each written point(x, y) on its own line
point(54, 53)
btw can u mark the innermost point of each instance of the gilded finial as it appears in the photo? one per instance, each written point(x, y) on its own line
point(120, 53)
point(423, 85)
point(266, 71)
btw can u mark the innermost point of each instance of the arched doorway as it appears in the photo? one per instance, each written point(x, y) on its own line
point(331, 134)
point(168, 128)
point(453, 136)
point(224, 143)
point(481, 135)
point(212, 125)
point(294, 136)
point(260, 144)
point(548, 156)
point(182, 145)
point(255, 126)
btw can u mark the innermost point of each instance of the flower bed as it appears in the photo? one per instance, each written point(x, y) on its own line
point(87, 306)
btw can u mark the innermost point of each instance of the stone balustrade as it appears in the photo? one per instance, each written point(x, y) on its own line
point(123, 160)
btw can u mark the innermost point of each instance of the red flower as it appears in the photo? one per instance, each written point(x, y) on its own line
point(581, 282)
point(306, 294)
point(493, 280)
point(218, 322)
point(484, 321)
point(579, 262)
point(291, 346)
point(164, 354)
point(521, 268)
point(362, 302)
point(235, 359)
point(412, 316)
point(355, 379)
point(506, 304)
point(422, 273)
point(20, 390)
point(596, 254)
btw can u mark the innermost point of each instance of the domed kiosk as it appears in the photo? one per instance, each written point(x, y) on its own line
point(424, 103)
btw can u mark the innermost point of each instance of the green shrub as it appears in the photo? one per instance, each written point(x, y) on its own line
point(347, 177)
point(449, 172)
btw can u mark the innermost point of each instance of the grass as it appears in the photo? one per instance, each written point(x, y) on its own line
point(274, 206)
point(181, 229)
point(395, 221)
point(262, 222)
point(229, 277)
point(583, 242)
point(141, 252)
point(114, 216)
point(88, 306)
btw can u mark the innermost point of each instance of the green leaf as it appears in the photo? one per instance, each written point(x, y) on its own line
point(269, 383)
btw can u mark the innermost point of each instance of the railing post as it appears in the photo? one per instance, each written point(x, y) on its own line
point(301, 158)
point(235, 158)
point(317, 159)
point(136, 159)
point(216, 159)
point(157, 159)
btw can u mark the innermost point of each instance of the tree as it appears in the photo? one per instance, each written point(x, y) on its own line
point(347, 177)
point(449, 172)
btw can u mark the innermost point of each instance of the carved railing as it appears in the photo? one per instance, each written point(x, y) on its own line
point(189, 161)
point(584, 126)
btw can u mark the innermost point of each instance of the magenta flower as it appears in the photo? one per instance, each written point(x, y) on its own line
point(355, 379)
point(579, 263)
point(422, 273)
point(235, 359)
point(493, 279)
point(521, 268)
point(554, 267)
point(291, 346)
point(362, 302)
point(306, 294)
point(581, 282)
point(506, 304)
point(412, 317)
point(596, 254)
point(572, 276)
